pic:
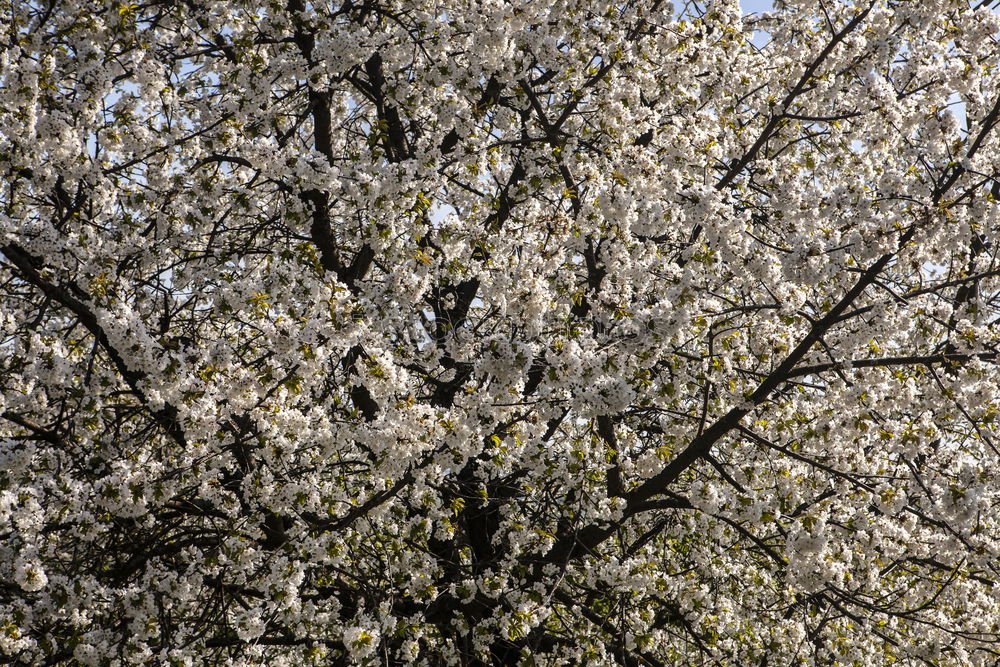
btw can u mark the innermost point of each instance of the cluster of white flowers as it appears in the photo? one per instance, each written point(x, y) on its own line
point(29, 575)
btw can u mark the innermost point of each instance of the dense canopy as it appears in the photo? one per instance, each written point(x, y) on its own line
point(497, 331)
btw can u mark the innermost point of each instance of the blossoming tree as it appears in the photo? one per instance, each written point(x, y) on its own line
point(478, 332)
